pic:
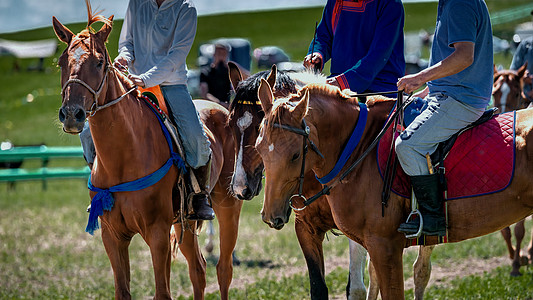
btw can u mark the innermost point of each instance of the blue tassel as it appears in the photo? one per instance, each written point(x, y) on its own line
point(103, 200)
point(178, 161)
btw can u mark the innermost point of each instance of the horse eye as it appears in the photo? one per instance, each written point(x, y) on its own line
point(295, 157)
point(100, 63)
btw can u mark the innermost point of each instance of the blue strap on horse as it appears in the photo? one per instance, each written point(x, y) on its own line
point(103, 200)
point(354, 140)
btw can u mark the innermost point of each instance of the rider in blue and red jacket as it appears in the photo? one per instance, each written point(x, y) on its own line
point(364, 40)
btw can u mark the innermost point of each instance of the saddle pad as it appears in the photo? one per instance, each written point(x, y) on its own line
point(480, 162)
point(155, 94)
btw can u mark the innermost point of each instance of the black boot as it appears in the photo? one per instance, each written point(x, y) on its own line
point(429, 195)
point(200, 202)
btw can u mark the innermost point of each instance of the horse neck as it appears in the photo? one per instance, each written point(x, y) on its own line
point(126, 136)
point(335, 122)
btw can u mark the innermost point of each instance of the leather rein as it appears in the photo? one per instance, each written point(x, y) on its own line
point(304, 131)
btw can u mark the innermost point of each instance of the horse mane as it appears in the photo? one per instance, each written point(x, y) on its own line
point(246, 91)
point(95, 16)
point(373, 100)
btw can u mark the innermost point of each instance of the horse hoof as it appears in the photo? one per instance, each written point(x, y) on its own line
point(516, 274)
point(524, 261)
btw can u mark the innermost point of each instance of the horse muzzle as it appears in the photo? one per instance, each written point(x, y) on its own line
point(73, 118)
point(276, 221)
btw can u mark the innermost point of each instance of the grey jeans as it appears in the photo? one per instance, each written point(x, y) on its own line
point(443, 117)
point(190, 128)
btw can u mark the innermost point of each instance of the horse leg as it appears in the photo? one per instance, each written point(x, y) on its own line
point(356, 286)
point(387, 260)
point(311, 244)
point(117, 251)
point(195, 260)
point(506, 233)
point(422, 270)
point(157, 236)
point(519, 232)
point(373, 286)
point(228, 220)
point(210, 236)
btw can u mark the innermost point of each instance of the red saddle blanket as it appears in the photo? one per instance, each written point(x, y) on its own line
point(480, 162)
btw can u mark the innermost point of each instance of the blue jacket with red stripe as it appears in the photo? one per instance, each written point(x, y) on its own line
point(364, 41)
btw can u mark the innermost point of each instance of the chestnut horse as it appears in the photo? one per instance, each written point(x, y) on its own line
point(312, 223)
point(356, 202)
point(227, 208)
point(507, 95)
point(130, 144)
point(507, 92)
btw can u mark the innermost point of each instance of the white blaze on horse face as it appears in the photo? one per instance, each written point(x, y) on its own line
point(505, 93)
point(270, 147)
point(239, 177)
point(77, 56)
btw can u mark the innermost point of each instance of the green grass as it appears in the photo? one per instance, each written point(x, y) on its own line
point(45, 253)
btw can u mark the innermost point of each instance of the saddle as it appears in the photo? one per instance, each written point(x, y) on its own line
point(477, 160)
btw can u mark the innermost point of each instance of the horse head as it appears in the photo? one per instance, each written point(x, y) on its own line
point(507, 89)
point(84, 67)
point(283, 157)
point(245, 117)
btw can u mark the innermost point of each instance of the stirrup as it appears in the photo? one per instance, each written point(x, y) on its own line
point(421, 225)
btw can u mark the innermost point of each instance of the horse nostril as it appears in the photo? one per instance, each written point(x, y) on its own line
point(62, 115)
point(277, 223)
point(80, 115)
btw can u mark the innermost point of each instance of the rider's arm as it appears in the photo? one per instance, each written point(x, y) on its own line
point(323, 40)
point(177, 54)
point(461, 58)
point(125, 43)
point(389, 29)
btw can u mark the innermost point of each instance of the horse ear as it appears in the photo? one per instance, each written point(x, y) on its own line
point(522, 70)
point(62, 32)
point(271, 79)
point(235, 75)
point(300, 110)
point(104, 32)
point(265, 96)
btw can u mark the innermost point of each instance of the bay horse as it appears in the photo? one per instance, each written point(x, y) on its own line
point(507, 95)
point(130, 144)
point(314, 222)
point(227, 208)
point(330, 117)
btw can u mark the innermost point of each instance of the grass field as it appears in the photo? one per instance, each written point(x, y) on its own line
point(45, 253)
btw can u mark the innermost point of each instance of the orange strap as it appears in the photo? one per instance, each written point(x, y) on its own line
point(156, 91)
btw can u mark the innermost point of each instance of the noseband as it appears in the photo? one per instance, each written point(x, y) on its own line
point(96, 94)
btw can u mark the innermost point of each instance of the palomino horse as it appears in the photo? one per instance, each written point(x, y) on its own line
point(507, 95)
point(312, 223)
point(130, 144)
point(227, 208)
point(330, 117)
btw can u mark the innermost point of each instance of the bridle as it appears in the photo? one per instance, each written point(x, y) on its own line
point(305, 131)
point(96, 94)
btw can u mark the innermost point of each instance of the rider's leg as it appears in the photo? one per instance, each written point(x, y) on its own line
point(195, 144)
point(444, 117)
point(87, 144)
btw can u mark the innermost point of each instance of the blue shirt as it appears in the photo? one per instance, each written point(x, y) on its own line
point(464, 21)
point(364, 41)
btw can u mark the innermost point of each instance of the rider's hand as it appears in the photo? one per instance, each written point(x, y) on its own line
point(136, 80)
point(333, 81)
point(410, 83)
point(313, 61)
point(120, 63)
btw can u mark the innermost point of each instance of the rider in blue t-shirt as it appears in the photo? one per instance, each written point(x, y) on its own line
point(459, 84)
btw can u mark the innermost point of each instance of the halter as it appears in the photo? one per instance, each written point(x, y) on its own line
point(304, 131)
point(96, 94)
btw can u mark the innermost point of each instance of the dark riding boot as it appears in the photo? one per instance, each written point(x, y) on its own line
point(429, 196)
point(200, 202)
